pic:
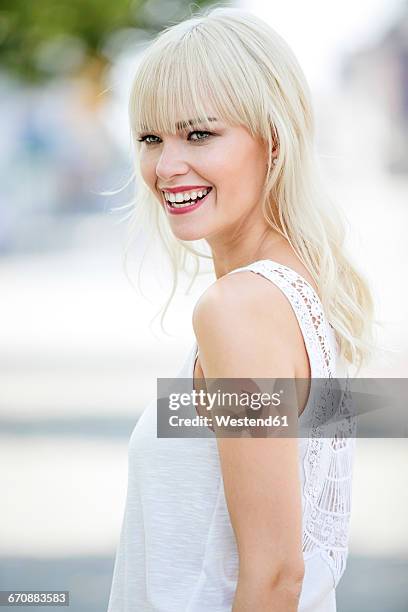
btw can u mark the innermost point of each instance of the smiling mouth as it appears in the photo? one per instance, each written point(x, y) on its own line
point(186, 206)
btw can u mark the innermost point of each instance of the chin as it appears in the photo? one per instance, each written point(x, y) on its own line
point(188, 234)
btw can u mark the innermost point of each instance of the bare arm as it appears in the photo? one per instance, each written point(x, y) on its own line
point(247, 329)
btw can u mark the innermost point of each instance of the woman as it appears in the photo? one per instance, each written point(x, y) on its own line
point(222, 120)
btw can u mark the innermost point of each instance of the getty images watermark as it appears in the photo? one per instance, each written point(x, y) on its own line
point(227, 400)
point(284, 407)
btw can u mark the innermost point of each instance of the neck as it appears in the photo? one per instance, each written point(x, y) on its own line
point(246, 254)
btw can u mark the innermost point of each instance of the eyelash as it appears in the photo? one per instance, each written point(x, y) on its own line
point(143, 138)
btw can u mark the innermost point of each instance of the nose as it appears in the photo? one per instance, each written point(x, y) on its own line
point(171, 162)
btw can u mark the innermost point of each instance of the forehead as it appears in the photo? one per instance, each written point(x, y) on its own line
point(171, 112)
point(186, 124)
point(181, 125)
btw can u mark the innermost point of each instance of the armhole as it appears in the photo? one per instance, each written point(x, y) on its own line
point(317, 334)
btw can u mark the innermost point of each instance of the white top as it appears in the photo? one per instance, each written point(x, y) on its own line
point(177, 551)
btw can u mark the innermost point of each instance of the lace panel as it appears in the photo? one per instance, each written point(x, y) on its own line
point(328, 461)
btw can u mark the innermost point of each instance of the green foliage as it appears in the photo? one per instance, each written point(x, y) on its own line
point(33, 33)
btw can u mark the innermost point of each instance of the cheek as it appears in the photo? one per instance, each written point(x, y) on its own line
point(239, 183)
point(235, 174)
point(144, 167)
point(147, 170)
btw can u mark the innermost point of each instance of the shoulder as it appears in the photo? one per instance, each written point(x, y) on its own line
point(245, 326)
point(244, 296)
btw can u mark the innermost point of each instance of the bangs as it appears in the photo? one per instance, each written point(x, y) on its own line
point(187, 79)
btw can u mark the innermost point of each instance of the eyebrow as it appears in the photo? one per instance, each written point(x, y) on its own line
point(182, 124)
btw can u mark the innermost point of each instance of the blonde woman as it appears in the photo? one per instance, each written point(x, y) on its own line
point(221, 117)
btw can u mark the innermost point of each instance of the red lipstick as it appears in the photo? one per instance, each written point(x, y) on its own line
point(174, 210)
point(185, 188)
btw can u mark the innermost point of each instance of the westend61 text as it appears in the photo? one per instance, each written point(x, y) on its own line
point(228, 421)
point(209, 400)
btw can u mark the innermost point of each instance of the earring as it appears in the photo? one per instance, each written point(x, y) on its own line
point(274, 161)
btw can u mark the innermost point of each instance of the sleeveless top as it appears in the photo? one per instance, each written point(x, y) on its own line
point(177, 550)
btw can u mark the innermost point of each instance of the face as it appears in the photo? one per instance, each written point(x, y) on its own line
point(227, 160)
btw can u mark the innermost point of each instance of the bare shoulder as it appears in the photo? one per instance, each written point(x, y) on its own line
point(244, 289)
point(245, 326)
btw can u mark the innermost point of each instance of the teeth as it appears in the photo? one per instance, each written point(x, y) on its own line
point(181, 200)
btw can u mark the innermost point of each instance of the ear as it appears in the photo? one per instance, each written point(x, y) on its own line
point(275, 149)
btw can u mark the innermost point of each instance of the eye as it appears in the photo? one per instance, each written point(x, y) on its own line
point(200, 132)
point(146, 136)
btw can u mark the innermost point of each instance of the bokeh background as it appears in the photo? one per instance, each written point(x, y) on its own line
point(78, 356)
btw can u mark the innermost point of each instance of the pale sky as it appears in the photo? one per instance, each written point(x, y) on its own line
point(321, 31)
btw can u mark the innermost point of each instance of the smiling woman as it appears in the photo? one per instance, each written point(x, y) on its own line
point(213, 522)
point(217, 158)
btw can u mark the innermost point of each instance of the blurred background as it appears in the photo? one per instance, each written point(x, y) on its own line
point(78, 359)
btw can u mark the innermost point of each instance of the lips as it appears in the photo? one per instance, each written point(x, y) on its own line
point(186, 209)
point(185, 188)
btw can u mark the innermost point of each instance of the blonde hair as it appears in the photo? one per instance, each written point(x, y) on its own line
point(250, 76)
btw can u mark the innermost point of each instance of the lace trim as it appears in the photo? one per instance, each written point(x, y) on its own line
point(328, 461)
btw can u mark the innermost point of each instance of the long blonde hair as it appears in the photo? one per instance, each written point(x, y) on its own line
point(251, 77)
